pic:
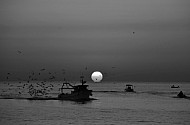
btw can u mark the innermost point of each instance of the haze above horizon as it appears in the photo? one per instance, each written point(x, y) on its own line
point(133, 40)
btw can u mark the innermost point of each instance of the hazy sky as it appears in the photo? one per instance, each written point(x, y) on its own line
point(133, 40)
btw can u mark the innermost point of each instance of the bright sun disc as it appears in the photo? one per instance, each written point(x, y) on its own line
point(96, 76)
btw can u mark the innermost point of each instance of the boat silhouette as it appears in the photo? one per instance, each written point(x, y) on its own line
point(129, 88)
point(78, 93)
point(174, 86)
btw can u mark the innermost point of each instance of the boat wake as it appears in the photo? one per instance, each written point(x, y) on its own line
point(146, 92)
point(41, 98)
point(155, 93)
point(110, 91)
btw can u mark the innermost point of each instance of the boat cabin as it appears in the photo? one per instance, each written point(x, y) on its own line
point(77, 92)
point(129, 88)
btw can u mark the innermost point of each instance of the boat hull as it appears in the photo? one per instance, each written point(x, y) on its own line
point(76, 95)
point(129, 90)
point(56, 98)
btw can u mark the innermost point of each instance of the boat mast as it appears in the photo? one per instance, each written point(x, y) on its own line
point(82, 81)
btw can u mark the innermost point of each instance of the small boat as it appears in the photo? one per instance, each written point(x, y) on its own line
point(182, 95)
point(174, 86)
point(79, 93)
point(129, 88)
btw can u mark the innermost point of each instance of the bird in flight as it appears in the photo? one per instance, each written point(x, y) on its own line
point(42, 69)
point(19, 52)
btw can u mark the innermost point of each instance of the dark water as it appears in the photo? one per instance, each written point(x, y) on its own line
point(152, 104)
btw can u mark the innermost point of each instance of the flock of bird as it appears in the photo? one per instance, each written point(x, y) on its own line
point(33, 85)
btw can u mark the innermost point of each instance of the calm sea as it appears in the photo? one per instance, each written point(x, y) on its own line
point(151, 104)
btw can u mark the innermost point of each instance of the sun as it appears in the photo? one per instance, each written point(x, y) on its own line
point(97, 76)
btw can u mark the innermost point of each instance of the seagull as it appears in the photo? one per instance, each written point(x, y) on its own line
point(42, 69)
point(19, 52)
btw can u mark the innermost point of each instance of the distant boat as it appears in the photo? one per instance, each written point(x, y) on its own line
point(79, 93)
point(174, 86)
point(129, 88)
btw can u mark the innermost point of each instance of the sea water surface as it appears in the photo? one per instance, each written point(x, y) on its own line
point(151, 104)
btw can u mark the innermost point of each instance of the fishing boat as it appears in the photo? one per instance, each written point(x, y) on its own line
point(129, 88)
point(78, 92)
point(174, 86)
